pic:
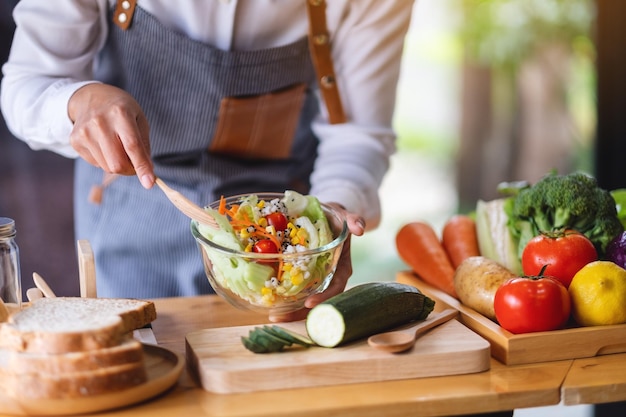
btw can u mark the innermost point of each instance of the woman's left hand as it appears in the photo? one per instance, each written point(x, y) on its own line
point(356, 226)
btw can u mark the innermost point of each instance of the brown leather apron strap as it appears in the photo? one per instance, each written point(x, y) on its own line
point(124, 11)
point(319, 41)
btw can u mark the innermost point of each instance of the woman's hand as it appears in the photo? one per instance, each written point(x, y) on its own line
point(356, 226)
point(111, 131)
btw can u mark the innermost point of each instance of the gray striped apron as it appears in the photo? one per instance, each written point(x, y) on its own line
point(142, 245)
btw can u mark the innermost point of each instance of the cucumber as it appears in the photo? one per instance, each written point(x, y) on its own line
point(269, 339)
point(264, 342)
point(356, 313)
point(288, 336)
point(365, 310)
point(252, 346)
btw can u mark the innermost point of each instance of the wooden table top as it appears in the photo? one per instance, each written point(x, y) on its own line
point(592, 380)
point(500, 388)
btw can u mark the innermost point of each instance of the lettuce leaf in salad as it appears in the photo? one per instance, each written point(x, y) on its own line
point(248, 208)
point(224, 235)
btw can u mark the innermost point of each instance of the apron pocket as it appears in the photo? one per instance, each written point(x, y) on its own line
point(259, 127)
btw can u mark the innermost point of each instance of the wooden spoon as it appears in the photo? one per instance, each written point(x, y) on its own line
point(402, 340)
point(43, 286)
point(186, 206)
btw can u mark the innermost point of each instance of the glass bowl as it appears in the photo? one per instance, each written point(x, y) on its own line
point(269, 283)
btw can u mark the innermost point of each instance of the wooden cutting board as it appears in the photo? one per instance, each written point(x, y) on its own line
point(223, 365)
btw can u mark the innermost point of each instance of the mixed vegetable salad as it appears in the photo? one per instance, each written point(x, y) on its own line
point(272, 240)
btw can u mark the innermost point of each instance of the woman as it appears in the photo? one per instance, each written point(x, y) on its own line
point(217, 97)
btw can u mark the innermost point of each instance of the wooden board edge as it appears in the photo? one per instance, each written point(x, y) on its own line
point(471, 360)
point(512, 349)
point(494, 334)
point(219, 382)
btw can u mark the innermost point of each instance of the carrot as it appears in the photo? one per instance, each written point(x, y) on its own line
point(222, 207)
point(459, 239)
point(419, 246)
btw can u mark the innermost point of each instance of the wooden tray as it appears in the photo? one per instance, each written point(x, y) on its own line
point(223, 365)
point(162, 366)
point(513, 349)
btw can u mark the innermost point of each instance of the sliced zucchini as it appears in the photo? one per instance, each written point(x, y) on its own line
point(290, 336)
point(269, 339)
point(270, 342)
point(252, 346)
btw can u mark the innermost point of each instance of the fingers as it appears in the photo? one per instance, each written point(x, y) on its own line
point(356, 224)
point(293, 316)
point(139, 152)
point(343, 272)
point(137, 147)
point(337, 285)
point(111, 131)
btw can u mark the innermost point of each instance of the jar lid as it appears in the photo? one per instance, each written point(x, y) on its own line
point(7, 227)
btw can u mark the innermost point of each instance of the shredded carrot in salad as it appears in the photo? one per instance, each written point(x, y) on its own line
point(247, 228)
point(222, 207)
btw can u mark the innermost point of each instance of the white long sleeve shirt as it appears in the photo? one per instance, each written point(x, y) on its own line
point(56, 44)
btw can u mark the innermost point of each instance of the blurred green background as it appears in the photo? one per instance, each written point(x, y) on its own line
point(449, 42)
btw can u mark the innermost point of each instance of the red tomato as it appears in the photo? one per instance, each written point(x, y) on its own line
point(278, 220)
point(265, 246)
point(563, 252)
point(532, 304)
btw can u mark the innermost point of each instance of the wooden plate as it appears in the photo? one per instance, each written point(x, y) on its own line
point(162, 366)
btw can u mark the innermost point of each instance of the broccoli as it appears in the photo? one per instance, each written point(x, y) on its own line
point(564, 201)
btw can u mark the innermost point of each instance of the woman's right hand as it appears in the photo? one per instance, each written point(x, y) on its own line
point(111, 131)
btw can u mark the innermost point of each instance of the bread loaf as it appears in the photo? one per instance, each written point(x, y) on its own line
point(71, 324)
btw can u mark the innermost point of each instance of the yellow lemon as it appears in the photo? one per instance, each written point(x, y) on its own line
point(598, 293)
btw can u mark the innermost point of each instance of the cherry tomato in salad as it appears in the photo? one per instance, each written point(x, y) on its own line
point(564, 253)
point(532, 304)
point(265, 246)
point(278, 220)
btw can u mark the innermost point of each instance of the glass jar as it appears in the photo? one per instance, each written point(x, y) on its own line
point(10, 280)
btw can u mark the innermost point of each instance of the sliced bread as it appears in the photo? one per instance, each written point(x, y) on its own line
point(72, 324)
point(74, 384)
point(129, 351)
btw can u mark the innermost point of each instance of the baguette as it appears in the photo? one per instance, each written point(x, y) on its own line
point(71, 324)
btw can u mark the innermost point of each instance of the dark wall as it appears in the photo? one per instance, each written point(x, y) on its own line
point(36, 191)
point(611, 94)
